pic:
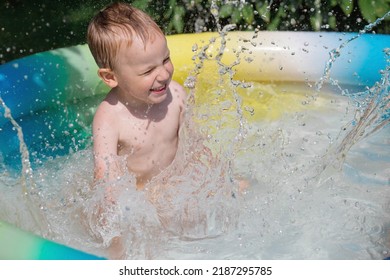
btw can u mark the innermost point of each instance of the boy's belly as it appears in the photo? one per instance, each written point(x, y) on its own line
point(145, 165)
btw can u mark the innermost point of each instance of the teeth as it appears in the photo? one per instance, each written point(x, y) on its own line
point(158, 89)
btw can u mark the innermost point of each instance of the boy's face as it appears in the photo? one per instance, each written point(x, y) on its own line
point(143, 72)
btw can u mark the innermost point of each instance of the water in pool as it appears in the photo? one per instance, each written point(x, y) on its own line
point(263, 171)
point(313, 166)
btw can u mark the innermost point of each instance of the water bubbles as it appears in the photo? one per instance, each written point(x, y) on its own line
point(214, 10)
point(226, 105)
point(228, 27)
point(223, 70)
point(190, 82)
point(293, 21)
point(246, 84)
point(250, 109)
point(249, 59)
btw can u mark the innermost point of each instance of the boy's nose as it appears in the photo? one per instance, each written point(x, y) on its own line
point(164, 74)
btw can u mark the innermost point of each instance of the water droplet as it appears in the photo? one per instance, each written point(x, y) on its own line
point(249, 109)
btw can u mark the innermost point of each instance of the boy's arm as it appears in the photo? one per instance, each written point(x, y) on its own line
point(181, 94)
point(106, 167)
point(105, 146)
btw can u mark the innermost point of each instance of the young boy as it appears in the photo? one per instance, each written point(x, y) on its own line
point(140, 117)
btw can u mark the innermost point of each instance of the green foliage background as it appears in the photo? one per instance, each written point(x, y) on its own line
point(27, 27)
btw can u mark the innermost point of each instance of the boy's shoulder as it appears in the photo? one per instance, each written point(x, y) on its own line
point(177, 90)
point(175, 85)
point(106, 109)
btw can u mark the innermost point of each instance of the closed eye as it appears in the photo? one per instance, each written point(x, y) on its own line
point(166, 60)
point(147, 72)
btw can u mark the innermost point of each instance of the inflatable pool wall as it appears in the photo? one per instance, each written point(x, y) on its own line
point(53, 95)
point(16, 244)
point(44, 90)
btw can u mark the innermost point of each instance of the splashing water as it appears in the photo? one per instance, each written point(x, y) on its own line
point(372, 114)
point(299, 181)
point(372, 104)
point(27, 179)
point(294, 207)
point(196, 210)
point(335, 53)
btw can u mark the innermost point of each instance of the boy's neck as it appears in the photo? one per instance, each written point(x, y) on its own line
point(144, 110)
point(132, 103)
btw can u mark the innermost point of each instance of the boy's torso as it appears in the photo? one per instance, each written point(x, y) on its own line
point(149, 140)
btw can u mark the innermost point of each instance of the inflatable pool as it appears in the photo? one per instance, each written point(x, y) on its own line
point(52, 95)
point(16, 244)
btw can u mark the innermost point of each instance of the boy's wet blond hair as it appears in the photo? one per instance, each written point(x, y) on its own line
point(116, 24)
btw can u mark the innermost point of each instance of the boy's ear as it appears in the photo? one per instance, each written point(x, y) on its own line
point(108, 77)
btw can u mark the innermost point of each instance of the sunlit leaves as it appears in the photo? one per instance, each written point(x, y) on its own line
point(371, 10)
point(346, 6)
point(236, 16)
point(51, 24)
point(141, 4)
point(316, 15)
point(263, 10)
point(175, 14)
point(247, 13)
point(237, 13)
point(226, 10)
point(178, 18)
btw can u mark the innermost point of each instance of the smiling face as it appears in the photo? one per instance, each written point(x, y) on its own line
point(142, 72)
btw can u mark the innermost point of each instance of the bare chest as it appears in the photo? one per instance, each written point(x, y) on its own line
point(145, 136)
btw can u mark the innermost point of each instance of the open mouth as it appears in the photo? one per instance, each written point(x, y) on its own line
point(159, 90)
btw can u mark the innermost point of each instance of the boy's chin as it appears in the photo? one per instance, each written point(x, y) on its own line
point(157, 98)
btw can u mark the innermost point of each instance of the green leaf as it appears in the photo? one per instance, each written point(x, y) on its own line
point(372, 10)
point(225, 11)
point(332, 22)
point(236, 16)
point(141, 4)
point(347, 6)
point(264, 11)
point(334, 3)
point(273, 25)
point(178, 21)
point(316, 21)
point(168, 13)
point(247, 13)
